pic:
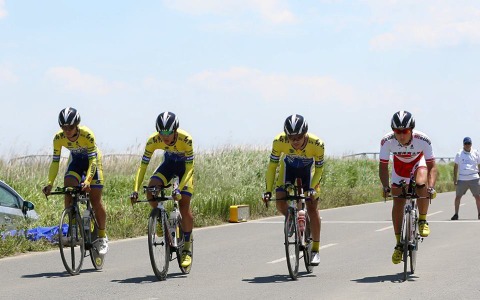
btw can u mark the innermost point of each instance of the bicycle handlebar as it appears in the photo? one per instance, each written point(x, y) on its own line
point(72, 190)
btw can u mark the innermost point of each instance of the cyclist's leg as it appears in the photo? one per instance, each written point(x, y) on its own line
point(96, 198)
point(284, 175)
point(421, 181)
point(314, 215)
point(187, 217)
point(73, 175)
point(154, 181)
point(99, 209)
point(282, 206)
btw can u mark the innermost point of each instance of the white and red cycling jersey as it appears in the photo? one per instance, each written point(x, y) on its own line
point(406, 158)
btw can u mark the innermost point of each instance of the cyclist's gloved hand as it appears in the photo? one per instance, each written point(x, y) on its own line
point(386, 192)
point(432, 192)
point(311, 193)
point(47, 190)
point(134, 198)
point(266, 197)
point(176, 194)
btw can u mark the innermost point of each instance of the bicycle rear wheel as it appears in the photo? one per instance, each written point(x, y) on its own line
point(291, 243)
point(158, 246)
point(72, 246)
point(97, 259)
point(307, 249)
point(181, 247)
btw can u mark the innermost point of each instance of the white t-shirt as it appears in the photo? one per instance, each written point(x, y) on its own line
point(467, 164)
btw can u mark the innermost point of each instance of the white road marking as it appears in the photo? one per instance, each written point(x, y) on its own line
point(283, 259)
point(385, 228)
point(432, 214)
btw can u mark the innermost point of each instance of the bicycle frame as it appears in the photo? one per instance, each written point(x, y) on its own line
point(409, 235)
point(85, 236)
point(165, 235)
point(296, 240)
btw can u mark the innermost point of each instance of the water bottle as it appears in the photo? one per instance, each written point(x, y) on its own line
point(301, 220)
point(86, 220)
point(172, 226)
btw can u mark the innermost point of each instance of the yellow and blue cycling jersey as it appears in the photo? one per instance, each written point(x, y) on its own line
point(177, 160)
point(296, 163)
point(85, 157)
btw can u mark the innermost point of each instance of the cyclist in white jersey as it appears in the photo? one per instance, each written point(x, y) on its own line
point(412, 154)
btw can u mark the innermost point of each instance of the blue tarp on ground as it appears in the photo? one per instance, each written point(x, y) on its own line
point(34, 234)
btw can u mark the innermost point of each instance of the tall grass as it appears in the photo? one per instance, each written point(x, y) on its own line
point(223, 177)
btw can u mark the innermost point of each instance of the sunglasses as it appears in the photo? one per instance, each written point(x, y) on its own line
point(402, 131)
point(296, 137)
point(166, 132)
point(468, 144)
point(69, 127)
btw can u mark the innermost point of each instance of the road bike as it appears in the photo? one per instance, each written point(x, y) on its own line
point(409, 236)
point(78, 233)
point(298, 237)
point(165, 235)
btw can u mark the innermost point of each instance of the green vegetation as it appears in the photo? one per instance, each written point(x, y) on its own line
point(223, 177)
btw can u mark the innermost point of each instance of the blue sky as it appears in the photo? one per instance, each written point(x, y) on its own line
point(234, 70)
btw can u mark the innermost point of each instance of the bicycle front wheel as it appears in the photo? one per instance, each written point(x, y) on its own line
point(291, 243)
point(181, 247)
point(406, 243)
point(72, 242)
point(414, 247)
point(307, 249)
point(158, 245)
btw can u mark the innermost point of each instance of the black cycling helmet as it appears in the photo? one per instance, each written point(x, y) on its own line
point(295, 124)
point(167, 121)
point(402, 120)
point(68, 116)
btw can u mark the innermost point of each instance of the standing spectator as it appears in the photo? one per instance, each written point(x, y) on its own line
point(465, 174)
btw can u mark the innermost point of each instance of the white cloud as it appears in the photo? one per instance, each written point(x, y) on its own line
point(428, 23)
point(3, 11)
point(71, 79)
point(275, 11)
point(7, 76)
point(275, 87)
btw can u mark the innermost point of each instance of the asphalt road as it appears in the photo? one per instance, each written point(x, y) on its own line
point(246, 261)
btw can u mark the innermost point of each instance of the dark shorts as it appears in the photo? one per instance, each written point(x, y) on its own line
point(464, 185)
point(170, 168)
point(290, 174)
point(78, 167)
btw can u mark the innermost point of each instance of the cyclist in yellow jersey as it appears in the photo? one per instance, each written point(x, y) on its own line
point(300, 154)
point(84, 162)
point(178, 160)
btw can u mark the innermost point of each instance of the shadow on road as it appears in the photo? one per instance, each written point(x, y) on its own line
point(395, 278)
point(276, 278)
point(149, 278)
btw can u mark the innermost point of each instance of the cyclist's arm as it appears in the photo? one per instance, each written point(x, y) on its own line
point(317, 175)
point(54, 166)
point(432, 173)
point(383, 173)
point(92, 164)
point(272, 168)
point(147, 155)
point(188, 174)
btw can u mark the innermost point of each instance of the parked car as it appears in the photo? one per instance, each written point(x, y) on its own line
point(13, 208)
